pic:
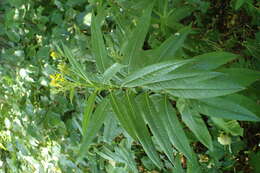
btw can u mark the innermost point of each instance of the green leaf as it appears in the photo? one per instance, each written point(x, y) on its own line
point(195, 123)
point(239, 4)
point(112, 70)
point(195, 88)
point(210, 61)
point(150, 72)
point(169, 47)
point(156, 124)
point(222, 107)
point(141, 130)
point(174, 128)
point(89, 106)
point(121, 114)
point(94, 125)
point(245, 102)
point(229, 126)
point(97, 42)
point(131, 119)
point(79, 70)
point(242, 76)
point(135, 43)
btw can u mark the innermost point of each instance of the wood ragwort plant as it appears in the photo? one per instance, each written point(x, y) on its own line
point(154, 94)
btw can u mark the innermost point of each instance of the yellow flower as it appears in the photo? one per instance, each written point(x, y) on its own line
point(224, 139)
point(54, 55)
point(56, 80)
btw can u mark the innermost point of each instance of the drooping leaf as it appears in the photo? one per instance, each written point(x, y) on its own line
point(94, 125)
point(224, 108)
point(135, 43)
point(121, 154)
point(131, 119)
point(174, 128)
point(121, 114)
point(141, 130)
point(111, 129)
point(89, 106)
point(156, 124)
point(195, 123)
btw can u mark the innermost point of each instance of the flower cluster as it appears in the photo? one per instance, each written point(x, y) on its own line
point(57, 80)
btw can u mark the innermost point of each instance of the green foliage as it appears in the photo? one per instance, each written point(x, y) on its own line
point(128, 86)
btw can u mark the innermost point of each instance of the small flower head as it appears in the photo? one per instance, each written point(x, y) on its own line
point(54, 55)
point(57, 80)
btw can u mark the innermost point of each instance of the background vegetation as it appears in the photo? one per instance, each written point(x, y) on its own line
point(41, 115)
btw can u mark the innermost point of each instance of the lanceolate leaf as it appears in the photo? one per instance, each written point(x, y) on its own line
point(120, 111)
point(196, 124)
point(112, 70)
point(150, 72)
point(90, 103)
point(169, 48)
point(210, 61)
point(174, 128)
point(98, 45)
point(79, 70)
point(156, 124)
point(135, 43)
point(224, 108)
point(194, 88)
point(131, 119)
point(94, 125)
point(188, 77)
point(141, 130)
point(242, 76)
